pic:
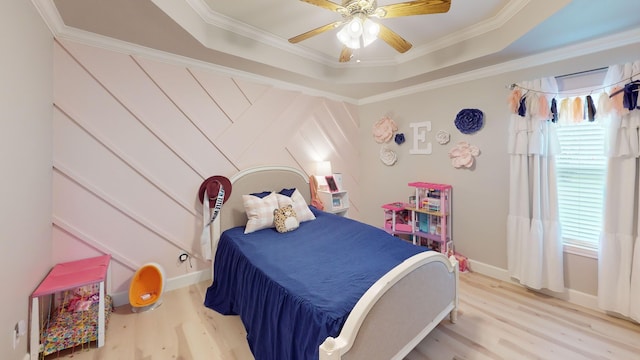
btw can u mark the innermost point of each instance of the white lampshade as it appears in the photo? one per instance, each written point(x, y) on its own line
point(323, 168)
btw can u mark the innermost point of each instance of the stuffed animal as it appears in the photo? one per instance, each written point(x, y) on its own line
point(285, 219)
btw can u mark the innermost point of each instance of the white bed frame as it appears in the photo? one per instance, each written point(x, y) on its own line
point(395, 314)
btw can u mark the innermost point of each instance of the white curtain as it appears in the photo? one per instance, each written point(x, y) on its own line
point(619, 252)
point(534, 241)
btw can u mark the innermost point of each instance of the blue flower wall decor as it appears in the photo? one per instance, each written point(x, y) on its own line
point(468, 121)
point(399, 139)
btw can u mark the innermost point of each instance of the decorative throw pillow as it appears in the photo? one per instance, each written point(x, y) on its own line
point(287, 192)
point(298, 202)
point(285, 219)
point(259, 211)
point(261, 194)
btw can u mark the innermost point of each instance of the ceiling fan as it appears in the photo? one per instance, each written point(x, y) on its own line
point(359, 30)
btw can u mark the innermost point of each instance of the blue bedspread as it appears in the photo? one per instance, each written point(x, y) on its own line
point(293, 290)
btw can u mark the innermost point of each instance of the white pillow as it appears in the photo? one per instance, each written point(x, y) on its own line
point(300, 206)
point(259, 211)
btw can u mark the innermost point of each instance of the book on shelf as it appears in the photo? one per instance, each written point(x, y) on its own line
point(331, 183)
point(338, 179)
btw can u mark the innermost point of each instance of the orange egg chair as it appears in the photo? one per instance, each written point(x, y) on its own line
point(147, 286)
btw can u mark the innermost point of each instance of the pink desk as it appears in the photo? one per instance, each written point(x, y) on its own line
point(66, 276)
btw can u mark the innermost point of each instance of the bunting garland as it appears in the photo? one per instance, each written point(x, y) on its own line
point(575, 109)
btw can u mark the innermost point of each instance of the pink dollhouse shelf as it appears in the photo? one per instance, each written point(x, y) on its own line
point(74, 274)
point(392, 223)
point(397, 206)
point(425, 185)
point(400, 228)
point(426, 218)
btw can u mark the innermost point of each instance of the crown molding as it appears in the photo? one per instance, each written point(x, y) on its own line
point(60, 31)
point(229, 24)
point(226, 23)
point(586, 48)
point(497, 21)
point(53, 20)
point(107, 43)
point(50, 15)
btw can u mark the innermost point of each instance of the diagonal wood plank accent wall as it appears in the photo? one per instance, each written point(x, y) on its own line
point(134, 137)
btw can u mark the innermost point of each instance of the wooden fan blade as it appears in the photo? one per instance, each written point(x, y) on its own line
point(394, 40)
point(415, 8)
point(314, 32)
point(324, 4)
point(346, 54)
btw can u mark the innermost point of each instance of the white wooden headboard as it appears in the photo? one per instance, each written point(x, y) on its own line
point(255, 180)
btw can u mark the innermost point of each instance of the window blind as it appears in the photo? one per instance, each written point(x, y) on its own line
point(581, 170)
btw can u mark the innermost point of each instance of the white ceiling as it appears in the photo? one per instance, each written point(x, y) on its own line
point(250, 36)
point(283, 19)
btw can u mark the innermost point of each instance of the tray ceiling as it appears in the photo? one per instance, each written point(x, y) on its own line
point(251, 36)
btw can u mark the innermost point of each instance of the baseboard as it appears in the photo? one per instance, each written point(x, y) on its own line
point(122, 298)
point(188, 279)
point(490, 271)
point(572, 296)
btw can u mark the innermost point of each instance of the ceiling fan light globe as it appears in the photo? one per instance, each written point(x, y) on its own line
point(355, 28)
point(370, 33)
point(359, 31)
point(367, 40)
point(347, 40)
point(353, 44)
point(342, 36)
point(371, 28)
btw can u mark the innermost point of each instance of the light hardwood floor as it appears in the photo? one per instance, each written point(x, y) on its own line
point(496, 320)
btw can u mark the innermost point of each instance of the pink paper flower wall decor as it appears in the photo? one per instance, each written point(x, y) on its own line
point(463, 155)
point(384, 129)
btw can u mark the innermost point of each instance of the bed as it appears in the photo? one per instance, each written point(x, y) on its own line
point(334, 288)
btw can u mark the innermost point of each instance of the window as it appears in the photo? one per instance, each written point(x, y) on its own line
point(581, 170)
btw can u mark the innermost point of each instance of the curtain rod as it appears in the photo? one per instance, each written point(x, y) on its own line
point(581, 72)
point(512, 86)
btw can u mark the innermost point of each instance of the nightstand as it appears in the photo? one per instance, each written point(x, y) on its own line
point(336, 202)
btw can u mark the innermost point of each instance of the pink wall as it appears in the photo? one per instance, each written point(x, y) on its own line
point(25, 160)
point(134, 137)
